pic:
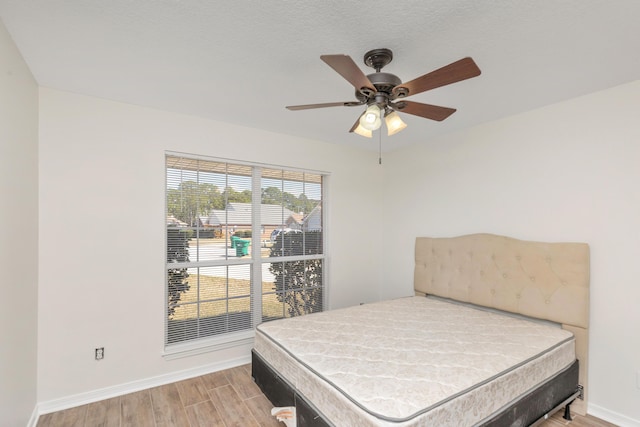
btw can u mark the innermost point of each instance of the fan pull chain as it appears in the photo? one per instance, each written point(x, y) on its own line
point(379, 146)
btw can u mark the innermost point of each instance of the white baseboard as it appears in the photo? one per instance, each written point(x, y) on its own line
point(612, 417)
point(33, 421)
point(122, 389)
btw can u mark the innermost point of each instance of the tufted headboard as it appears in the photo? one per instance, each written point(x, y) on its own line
point(543, 280)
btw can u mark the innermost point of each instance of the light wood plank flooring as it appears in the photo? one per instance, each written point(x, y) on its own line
point(221, 399)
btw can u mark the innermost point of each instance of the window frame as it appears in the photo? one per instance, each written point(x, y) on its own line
point(244, 337)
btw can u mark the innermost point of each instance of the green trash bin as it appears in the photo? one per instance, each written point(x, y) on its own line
point(234, 239)
point(242, 247)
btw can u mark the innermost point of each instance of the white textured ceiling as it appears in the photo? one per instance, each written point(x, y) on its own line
point(243, 61)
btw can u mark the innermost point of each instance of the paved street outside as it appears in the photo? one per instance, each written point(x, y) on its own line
point(218, 249)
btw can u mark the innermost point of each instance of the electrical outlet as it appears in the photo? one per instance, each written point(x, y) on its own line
point(100, 353)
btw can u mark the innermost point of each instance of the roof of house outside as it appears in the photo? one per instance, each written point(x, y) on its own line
point(240, 213)
point(297, 217)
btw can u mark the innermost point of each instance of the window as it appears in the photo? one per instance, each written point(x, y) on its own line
point(244, 245)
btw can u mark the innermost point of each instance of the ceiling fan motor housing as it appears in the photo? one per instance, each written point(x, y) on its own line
point(384, 84)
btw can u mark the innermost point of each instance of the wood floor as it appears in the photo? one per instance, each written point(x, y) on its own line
point(221, 399)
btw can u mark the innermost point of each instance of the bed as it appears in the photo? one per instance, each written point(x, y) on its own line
point(496, 334)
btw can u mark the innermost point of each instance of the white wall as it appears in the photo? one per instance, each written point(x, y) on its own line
point(19, 235)
point(566, 172)
point(102, 240)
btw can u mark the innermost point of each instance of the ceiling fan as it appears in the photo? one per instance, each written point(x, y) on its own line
point(383, 93)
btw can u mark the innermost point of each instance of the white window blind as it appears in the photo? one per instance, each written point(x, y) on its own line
point(244, 245)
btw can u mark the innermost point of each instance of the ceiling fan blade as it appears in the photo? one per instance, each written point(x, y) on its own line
point(344, 65)
point(433, 112)
point(328, 104)
point(355, 125)
point(457, 71)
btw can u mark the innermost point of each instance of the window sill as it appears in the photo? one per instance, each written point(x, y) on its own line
point(177, 351)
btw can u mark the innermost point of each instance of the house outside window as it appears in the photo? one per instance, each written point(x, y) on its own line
point(245, 244)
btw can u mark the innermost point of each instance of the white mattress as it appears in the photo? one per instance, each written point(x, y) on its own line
point(412, 361)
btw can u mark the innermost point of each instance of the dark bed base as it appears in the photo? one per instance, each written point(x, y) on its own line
point(530, 410)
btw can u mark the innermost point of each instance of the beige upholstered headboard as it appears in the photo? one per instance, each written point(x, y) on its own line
point(543, 280)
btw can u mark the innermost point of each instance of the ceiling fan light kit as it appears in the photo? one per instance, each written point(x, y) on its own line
point(394, 123)
point(362, 131)
point(370, 120)
point(379, 90)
